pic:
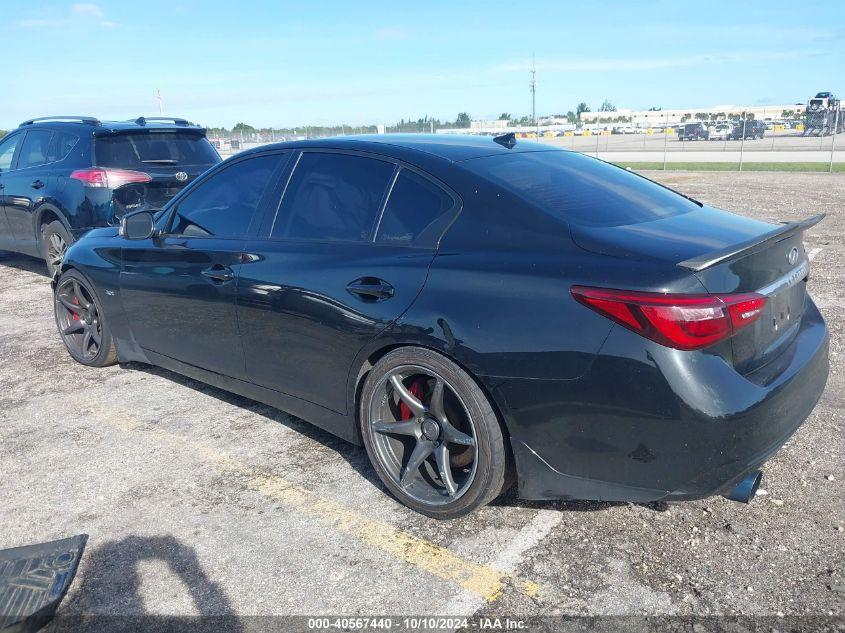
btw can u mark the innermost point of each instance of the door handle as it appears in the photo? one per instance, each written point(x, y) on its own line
point(218, 273)
point(37, 184)
point(370, 289)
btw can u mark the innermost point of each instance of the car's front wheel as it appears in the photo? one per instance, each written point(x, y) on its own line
point(432, 434)
point(81, 322)
point(55, 241)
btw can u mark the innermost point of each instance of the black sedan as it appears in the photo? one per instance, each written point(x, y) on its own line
point(474, 311)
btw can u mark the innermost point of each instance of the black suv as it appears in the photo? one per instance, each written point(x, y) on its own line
point(753, 129)
point(62, 176)
point(693, 132)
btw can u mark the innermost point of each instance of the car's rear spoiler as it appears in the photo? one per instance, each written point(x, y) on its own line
point(751, 246)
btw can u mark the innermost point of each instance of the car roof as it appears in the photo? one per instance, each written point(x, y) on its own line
point(95, 125)
point(450, 147)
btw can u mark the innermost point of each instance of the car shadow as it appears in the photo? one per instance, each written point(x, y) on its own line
point(24, 262)
point(109, 595)
point(356, 456)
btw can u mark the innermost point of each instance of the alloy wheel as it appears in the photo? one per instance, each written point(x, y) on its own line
point(423, 435)
point(79, 319)
point(56, 248)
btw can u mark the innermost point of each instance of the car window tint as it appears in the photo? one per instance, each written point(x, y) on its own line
point(61, 145)
point(134, 151)
point(223, 205)
point(333, 197)
point(35, 148)
point(579, 189)
point(413, 209)
point(7, 151)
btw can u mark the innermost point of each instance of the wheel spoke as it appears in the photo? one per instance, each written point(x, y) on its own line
point(455, 436)
point(80, 296)
point(436, 404)
point(70, 305)
point(441, 454)
point(86, 341)
point(422, 450)
point(396, 428)
point(73, 328)
point(407, 397)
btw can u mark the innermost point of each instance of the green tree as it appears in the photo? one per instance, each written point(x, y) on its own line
point(243, 128)
point(582, 107)
point(505, 116)
point(607, 106)
point(463, 120)
point(571, 117)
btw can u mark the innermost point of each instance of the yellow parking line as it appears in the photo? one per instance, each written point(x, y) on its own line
point(480, 580)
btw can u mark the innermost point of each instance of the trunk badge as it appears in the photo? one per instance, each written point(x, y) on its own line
point(181, 176)
point(791, 257)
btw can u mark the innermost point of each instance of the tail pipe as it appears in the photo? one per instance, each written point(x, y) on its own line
point(745, 490)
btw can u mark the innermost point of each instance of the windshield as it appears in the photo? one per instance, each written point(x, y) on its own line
point(581, 190)
point(135, 151)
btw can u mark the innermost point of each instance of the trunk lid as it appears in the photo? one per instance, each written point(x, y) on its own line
point(728, 254)
point(165, 183)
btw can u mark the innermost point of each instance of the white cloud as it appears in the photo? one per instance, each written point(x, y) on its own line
point(87, 9)
point(78, 14)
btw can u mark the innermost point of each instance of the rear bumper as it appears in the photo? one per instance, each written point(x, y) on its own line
point(648, 423)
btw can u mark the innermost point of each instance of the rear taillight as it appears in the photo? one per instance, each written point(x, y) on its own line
point(109, 178)
point(681, 321)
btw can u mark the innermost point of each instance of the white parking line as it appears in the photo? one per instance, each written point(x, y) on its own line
point(813, 252)
point(509, 558)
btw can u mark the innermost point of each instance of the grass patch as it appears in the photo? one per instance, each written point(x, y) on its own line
point(808, 167)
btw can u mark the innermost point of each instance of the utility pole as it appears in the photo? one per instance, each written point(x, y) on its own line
point(160, 102)
point(533, 85)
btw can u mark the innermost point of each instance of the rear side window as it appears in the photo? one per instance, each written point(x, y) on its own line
point(7, 151)
point(581, 190)
point(61, 145)
point(333, 197)
point(34, 150)
point(135, 151)
point(223, 206)
point(415, 212)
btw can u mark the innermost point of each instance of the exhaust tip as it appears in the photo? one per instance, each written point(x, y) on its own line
point(745, 490)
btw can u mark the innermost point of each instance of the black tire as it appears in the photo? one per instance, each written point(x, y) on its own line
point(82, 324)
point(55, 240)
point(486, 458)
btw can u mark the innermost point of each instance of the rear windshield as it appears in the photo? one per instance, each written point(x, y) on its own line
point(154, 148)
point(579, 189)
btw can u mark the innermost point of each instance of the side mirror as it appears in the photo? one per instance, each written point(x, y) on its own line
point(138, 226)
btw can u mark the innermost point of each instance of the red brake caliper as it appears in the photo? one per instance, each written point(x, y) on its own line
point(75, 315)
point(416, 390)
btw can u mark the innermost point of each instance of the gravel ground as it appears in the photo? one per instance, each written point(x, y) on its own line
point(198, 502)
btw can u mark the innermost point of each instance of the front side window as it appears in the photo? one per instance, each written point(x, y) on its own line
point(35, 148)
point(7, 151)
point(333, 197)
point(414, 212)
point(223, 206)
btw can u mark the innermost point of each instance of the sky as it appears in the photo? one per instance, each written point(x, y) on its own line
point(287, 64)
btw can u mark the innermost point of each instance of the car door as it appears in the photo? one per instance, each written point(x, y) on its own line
point(26, 185)
point(178, 289)
point(8, 152)
point(344, 255)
